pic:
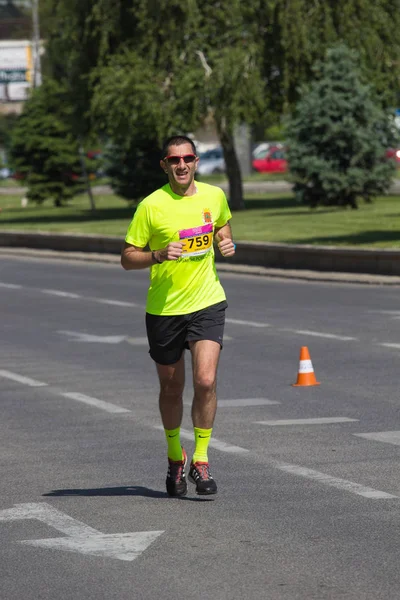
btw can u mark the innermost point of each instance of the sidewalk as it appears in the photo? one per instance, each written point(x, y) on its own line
point(253, 187)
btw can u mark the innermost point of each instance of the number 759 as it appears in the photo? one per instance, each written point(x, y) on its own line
point(198, 242)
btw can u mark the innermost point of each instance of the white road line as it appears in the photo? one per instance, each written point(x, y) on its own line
point(336, 482)
point(390, 345)
point(137, 341)
point(320, 334)
point(22, 379)
point(114, 302)
point(237, 402)
point(60, 293)
point(77, 336)
point(249, 323)
point(314, 421)
point(389, 437)
point(107, 406)
point(385, 312)
point(223, 446)
point(10, 286)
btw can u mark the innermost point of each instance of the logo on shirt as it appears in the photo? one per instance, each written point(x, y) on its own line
point(207, 217)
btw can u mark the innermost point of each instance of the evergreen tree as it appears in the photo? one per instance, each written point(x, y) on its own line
point(133, 169)
point(339, 135)
point(43, 148)
point(7, 123)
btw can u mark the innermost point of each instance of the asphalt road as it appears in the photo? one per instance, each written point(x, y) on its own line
point(309, 494)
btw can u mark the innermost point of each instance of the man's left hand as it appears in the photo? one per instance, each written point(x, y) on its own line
point(226, 246)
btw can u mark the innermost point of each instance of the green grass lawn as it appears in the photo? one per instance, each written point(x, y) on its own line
point(272, 218)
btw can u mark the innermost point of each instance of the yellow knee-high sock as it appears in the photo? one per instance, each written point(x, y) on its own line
point(201, 440)
point(174, 443)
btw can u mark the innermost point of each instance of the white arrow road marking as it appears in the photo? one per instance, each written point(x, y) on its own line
point(81, 538)
point(76, 336)
point(122, 546)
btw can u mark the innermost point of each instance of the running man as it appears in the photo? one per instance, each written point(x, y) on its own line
point(185, 303)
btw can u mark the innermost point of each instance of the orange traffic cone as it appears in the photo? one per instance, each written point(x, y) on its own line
point(306, 372)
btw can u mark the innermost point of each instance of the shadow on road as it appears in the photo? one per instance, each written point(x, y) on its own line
point(130, 490)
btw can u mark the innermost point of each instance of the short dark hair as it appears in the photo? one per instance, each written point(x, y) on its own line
point(177, 140)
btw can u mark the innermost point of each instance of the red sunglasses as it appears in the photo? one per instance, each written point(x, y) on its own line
point(175, 160)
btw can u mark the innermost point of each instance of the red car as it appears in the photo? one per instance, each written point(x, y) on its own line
point(273, 161)
point(395, 154)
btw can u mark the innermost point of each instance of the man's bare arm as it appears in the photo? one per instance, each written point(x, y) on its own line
point(133, 257)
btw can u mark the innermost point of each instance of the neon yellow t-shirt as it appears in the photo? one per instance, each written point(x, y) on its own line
point(179, 287)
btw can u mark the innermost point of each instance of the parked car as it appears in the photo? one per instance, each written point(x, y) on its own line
point(260, 148)
point(5, 173)
point(272, 160)
point(211, 162)
point(395, 154)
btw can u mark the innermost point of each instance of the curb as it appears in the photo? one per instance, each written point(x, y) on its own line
point(289, 261)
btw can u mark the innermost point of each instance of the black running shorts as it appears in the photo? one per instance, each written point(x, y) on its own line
point(169, 336)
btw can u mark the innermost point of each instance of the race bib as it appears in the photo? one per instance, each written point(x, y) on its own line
point(197, 240)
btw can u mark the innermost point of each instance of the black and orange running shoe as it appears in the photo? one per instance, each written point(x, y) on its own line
point(199, 474)
point(176, 477)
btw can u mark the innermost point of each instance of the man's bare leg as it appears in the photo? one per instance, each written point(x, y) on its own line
point(172, 382)
point(205, 357)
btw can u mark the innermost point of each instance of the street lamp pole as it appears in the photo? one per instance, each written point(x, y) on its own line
point(37, 70)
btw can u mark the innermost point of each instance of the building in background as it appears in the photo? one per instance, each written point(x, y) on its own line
point(16, 69)
point(20, 48)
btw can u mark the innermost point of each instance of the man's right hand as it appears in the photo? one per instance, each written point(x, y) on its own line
point(172, 252)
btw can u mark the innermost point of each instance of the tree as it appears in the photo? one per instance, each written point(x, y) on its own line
point(297, 33)
point(133, 168)
point(338, 136)
point(7, 123)
point(234, 61)
point(72, 49)
point(43, 148)
point(198, 59)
